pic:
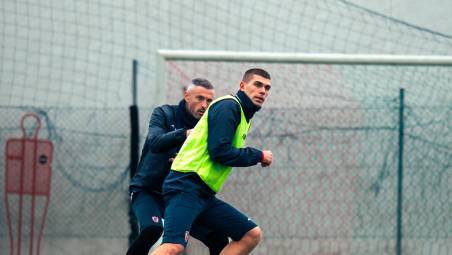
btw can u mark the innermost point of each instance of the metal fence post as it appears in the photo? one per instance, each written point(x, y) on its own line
point(400, 174)
point(134, 146)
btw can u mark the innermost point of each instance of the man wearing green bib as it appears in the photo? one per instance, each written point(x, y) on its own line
point(216, 144)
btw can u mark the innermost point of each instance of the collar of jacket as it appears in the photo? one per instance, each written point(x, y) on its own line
point(188, 119)
point(249, 108)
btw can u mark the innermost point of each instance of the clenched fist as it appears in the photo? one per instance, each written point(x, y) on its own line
point(267, 158)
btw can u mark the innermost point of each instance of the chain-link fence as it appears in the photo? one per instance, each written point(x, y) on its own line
point(88, 197)
point(332, 188)
point(333, 129)
point(336, 185)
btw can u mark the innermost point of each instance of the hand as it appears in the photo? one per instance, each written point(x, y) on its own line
point(170, 160)
point(188, 132)
point(267, 158)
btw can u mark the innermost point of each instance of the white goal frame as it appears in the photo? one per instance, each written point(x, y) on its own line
point(290, 57)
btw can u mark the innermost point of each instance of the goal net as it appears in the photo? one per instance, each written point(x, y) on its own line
point(332, 122)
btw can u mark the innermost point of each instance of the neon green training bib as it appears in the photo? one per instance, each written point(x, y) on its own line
point(194, 156)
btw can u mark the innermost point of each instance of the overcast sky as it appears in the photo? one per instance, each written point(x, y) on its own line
point(432, 14)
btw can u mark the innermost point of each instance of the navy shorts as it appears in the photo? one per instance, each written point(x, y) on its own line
point(149, 207)
point(183, 208)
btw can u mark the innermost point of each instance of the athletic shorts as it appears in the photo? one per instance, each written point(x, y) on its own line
point(149, 207)
point(182, 208)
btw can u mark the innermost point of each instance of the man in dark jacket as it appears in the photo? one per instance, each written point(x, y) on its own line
point(169, 126)
point(203, 164)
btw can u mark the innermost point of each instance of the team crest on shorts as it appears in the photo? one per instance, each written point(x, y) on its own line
point(187, 233)
point(155, 219)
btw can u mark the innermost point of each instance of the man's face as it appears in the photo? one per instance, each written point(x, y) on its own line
point(257, 89)
point(198, 99)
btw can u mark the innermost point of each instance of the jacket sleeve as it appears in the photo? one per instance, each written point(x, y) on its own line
point(162, 135)
point(223, 120)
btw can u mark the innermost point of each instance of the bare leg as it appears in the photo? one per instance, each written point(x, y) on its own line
point(169, 249)
point(245, 245)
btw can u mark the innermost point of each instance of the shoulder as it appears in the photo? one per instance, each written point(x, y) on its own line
point(164, 114)
point(165, 109)
point(228, 105)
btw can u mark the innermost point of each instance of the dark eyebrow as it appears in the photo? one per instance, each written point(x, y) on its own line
point(258, 83)
point(261, 84)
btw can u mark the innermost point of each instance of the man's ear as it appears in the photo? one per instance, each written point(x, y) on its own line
point(242, 85)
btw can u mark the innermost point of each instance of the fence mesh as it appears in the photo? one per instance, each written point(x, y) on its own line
point(334, 132)
point(79, 53)
point(89, 174)
point(71, 61)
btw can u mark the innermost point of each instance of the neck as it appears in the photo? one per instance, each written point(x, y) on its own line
point(249, 108)
point(189, 120)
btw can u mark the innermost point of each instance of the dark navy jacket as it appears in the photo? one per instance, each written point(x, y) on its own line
point(223, 120)
point(166, 134)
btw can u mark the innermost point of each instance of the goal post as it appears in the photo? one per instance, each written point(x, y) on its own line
point(165, 56)
point(297, 57)
point(332, 122)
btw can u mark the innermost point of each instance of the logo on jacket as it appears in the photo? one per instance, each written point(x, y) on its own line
point(186, 236)
point(155, 219)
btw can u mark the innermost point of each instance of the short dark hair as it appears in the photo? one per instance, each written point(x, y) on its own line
point(255, 71)
point(202, 82)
